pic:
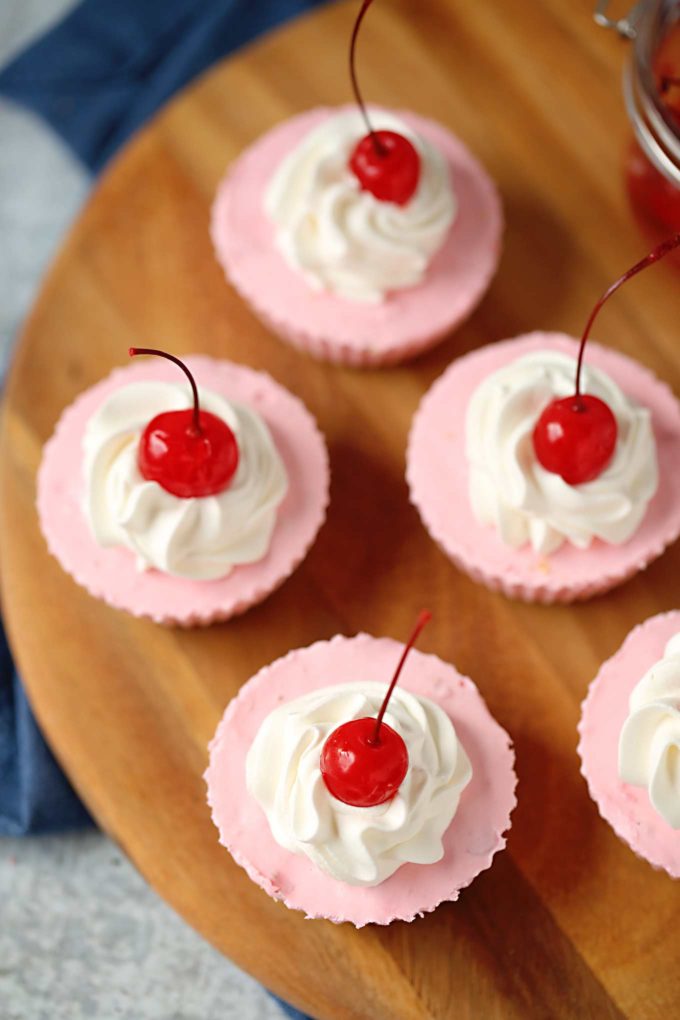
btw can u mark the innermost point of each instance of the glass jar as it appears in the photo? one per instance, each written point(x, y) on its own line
point(651, 86)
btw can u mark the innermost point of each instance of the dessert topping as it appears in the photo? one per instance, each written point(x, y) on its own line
point(575, 437)
point(649, 745)
point(189, 452)
point(364, 761)
point(385, 163)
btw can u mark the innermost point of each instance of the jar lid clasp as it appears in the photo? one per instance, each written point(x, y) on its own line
point(626, 26)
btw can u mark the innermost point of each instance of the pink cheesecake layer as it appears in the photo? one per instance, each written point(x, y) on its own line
point(437, 473)
point(627, 808)
point(472, 839)
point(333, 328)
point(111, 574)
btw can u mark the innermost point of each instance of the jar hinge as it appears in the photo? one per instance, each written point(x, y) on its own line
point(626, 26)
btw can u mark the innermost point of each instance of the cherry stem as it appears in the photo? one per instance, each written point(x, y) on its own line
point(379, 147)
point(423, 617)
point(667, 82)
point(655, 255)
point(196, 424)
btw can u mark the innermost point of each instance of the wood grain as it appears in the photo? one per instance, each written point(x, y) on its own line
point(568, 923)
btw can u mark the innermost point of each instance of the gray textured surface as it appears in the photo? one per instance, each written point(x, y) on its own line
point(41, 184)
point(82, 937)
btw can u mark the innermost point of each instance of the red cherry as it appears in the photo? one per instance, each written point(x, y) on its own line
point(386, 164)
point(359, 771)
point(190, 452)
point(364, 761)
point(184, 461)
point(575, 437)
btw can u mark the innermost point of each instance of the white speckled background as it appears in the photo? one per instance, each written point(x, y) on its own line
point(82, 937)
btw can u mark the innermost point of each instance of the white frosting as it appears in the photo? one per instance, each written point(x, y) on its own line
point(343, 239)
point(510, 490)
point(649, 745)
point(200, 538)
point(358, 845)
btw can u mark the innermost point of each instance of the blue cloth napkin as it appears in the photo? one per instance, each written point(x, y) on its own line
point(109, 65)
point(35, 796)
point(95, 78)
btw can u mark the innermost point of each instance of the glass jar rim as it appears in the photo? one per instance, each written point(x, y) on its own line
point(646, 108)
point(647, 24)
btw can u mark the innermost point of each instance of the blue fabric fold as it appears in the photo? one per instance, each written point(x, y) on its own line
point(96, 78)
point(110, 64)
point(35, 796)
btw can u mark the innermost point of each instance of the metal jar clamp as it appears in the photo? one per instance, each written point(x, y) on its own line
point(645, 25)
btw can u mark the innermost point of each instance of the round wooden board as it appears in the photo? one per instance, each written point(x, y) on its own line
point(568, 922)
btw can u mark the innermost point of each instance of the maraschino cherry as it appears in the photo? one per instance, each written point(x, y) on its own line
point(364, 761)
point(190, 452)
point(384, 162)
point(575, 437)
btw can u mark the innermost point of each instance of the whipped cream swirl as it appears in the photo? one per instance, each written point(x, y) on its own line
point(201, 538)
point(343, 239)
point(649, 745)
point(361, 846)
point(510, 490)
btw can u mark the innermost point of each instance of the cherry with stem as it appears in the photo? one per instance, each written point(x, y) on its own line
point(364, 761)
point(385, 163)
point(380, 151)
point(575, 437)
point(191, 452)
point(134, 351)
point(424, 618)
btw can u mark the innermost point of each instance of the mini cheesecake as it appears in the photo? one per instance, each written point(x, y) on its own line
point(473, 837)
point(318, 321)
point(628, 807)
point(112, 572)
point(439, 473)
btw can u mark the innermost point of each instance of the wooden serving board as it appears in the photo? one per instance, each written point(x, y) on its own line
point(568, 922)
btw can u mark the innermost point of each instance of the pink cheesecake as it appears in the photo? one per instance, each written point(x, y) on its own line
point(111, 573)
point(438, 478)
point(475, 834)
point(627, 808)
point(331, 327)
